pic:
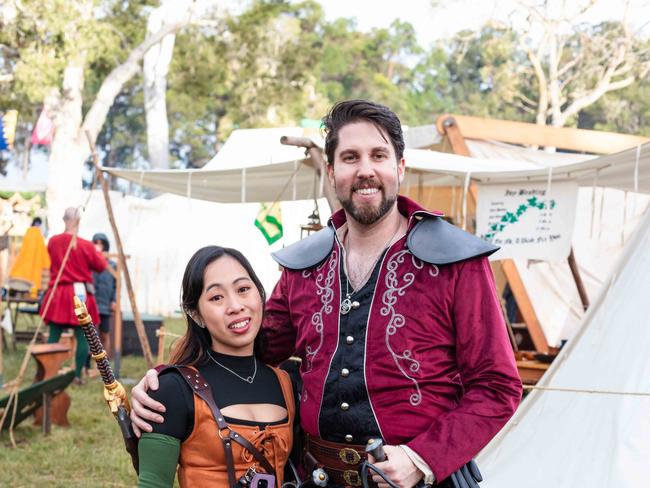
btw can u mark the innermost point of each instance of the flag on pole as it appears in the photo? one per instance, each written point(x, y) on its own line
point(8, 129)
point(43, 130)
point(269, 222)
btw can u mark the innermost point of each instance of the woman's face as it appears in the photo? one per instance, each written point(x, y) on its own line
point(230, 307)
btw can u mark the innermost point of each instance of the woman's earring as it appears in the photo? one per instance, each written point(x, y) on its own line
point(196, 319)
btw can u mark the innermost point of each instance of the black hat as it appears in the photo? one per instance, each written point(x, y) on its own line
point(103, 239)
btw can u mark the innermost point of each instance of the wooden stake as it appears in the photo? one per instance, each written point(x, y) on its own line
point(139, 325)
point(161, 344)
point(2, 346)
point(117, 346)
point(578, 280)
point(316, 155)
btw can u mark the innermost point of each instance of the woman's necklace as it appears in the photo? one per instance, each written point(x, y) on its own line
point(347, 304)
point(248, 379)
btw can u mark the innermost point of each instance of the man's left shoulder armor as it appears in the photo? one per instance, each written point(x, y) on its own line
point(436, 241)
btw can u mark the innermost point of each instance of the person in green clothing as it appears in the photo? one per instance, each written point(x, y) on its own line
point(223, 303)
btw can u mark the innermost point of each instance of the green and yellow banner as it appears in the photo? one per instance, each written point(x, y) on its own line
point(269, 221)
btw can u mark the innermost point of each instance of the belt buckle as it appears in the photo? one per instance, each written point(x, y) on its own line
point(352, 477)
point(349, 456)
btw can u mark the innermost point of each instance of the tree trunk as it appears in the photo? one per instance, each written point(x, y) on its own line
point(155, 69)
point(70, 148)
point(67, 155)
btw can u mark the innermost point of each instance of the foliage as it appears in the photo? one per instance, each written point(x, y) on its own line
point(279, 62)
point(625, 111)
point(46, 35)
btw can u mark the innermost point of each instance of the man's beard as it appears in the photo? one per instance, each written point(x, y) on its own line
point(366, 214)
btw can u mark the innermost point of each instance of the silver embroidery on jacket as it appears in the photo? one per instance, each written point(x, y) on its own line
point(433, 270)
point(395, 288)
point(324, 281)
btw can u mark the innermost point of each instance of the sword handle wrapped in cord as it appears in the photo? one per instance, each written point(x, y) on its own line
point(114, 393)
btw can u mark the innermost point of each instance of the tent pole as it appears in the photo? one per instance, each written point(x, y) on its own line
point(117, 343)
point(139, 325)
point(456, 139)
point(316, 155)
point(529, 134)
point(578, 280)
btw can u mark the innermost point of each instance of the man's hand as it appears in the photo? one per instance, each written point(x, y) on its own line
point(398, 467)
point(143, 407)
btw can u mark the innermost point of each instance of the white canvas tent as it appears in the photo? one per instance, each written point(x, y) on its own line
point(599, 435)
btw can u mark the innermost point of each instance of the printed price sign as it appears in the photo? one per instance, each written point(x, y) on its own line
point(526, 222)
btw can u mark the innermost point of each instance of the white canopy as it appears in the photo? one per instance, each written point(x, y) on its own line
point(598, 435)
point(254, 167)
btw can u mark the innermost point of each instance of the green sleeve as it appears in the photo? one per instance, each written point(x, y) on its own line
point(158, 455)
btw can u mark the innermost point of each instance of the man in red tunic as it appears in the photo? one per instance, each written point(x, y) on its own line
point(394, 314)
point(76, 278)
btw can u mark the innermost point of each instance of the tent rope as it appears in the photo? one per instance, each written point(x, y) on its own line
point(277, 198)
point(468, 179)
point(582, 390)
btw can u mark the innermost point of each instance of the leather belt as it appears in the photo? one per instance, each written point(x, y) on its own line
point(342, 462)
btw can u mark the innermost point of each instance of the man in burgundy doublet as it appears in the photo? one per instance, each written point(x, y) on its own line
point(436, 362)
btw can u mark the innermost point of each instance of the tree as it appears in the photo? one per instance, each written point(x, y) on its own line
point(155, 68)
point(575, 64)
point(71, 36)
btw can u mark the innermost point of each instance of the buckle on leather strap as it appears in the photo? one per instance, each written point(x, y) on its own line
point(349, 456)
point(352, 478)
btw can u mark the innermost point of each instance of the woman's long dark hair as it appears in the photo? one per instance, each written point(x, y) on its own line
point(193, 346)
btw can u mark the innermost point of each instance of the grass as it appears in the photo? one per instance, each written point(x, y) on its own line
point(89, 452)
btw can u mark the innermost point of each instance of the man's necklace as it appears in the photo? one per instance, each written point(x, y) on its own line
point(248, 379)
point(347, 304)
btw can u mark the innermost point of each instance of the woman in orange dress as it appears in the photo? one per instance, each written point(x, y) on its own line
point(229, 417)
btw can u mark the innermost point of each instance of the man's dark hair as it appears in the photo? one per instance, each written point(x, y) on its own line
point(350, 111)
point(37, 221)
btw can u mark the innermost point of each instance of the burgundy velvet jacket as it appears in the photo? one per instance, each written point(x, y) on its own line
point(439, 368)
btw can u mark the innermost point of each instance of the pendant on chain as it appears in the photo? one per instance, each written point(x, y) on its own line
point(346, 305)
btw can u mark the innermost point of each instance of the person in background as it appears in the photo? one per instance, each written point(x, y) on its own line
point(76, 275)
point(104, 290)
point(32, 259)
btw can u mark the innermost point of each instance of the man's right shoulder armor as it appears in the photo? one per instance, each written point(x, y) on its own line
point(307, 252)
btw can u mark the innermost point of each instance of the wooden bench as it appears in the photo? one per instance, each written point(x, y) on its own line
point(38, 396)
point(46, 398)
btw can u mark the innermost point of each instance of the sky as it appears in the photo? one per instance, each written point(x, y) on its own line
point(434, 20)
